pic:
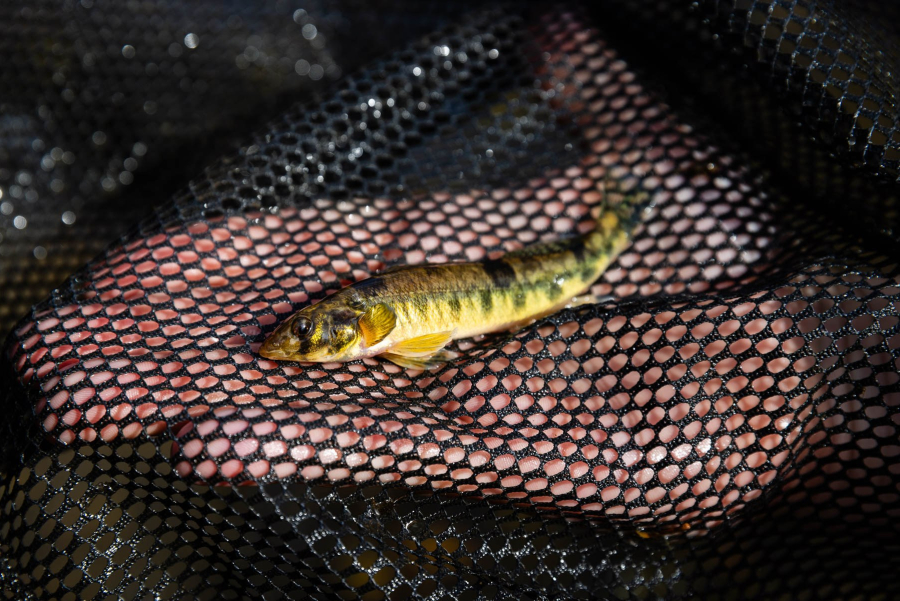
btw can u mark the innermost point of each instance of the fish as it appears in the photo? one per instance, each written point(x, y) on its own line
point(408, 314)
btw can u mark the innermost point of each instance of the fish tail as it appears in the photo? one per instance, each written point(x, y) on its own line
point(618, 217)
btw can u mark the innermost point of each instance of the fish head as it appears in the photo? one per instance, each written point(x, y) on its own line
point(325, 331)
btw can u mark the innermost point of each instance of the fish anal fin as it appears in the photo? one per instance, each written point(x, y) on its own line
point(376, 323)
point(588, 299)
point(422, 346)
point(422, 363)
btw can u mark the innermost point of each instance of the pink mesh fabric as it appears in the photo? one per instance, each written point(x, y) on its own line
point(748, 360)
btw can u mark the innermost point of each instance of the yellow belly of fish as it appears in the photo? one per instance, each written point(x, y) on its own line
point(471, 319)
point(436, 304)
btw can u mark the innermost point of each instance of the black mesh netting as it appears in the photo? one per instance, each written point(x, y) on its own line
point(724, 428)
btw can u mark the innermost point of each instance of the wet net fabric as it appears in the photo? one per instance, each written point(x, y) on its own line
point(724, 428)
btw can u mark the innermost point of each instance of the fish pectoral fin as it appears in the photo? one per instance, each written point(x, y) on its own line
point(418, 362)
point(376, 323)
point(422, 346)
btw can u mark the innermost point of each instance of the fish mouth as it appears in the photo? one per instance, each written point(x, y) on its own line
point(272, 352)
point(274, 348)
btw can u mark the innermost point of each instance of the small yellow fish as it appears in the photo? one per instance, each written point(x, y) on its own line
point(408, 314)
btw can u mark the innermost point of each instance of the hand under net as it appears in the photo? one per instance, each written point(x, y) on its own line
point(730, 404)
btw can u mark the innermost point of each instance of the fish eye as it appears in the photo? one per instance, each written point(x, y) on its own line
point(302, 327)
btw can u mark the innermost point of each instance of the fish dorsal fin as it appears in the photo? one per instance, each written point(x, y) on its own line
point(422, 346)
point(376, 323)
point(391, 269)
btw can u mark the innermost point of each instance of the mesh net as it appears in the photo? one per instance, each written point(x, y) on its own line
point(725, 427)
point(108, 110)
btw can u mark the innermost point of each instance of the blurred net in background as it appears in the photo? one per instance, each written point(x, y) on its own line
point(724, 428)
point(107, 109)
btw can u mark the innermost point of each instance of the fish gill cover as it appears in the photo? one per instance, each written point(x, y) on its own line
point(725, 427)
